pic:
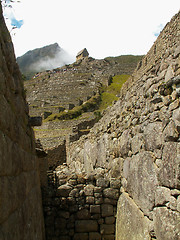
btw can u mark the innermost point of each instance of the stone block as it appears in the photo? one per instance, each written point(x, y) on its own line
point(83, 214)
point(110, 220)
point(137, 143)
point(81, 236)
point(98, 195)
point(84, 226)
point(115, 183)
point(170, 133)
point(95, 209)
point(162, 195)
point(94, 236)
point(107, 229)
point(102, 182)
point(166, 223)
point(169, 173)
point(142, 180)
point(107, 210)
point(178, 204)
point(74, 193)
point(97, 189)
point(60, 223)
point(110, 201)
point(64, 238)
point(108, 237)
point(63, 190)
point(90, 200)
point(111, 193)
point(130, 221)
point(153, 136)
point(96, 216)
point(89, 190)
point(98, 200)
point(64, 214)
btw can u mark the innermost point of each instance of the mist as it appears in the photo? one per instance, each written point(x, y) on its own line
point(48, 63)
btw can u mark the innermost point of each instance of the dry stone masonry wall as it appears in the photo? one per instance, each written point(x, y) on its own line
point(79, 207)
point(138, 141)
point(21, 216)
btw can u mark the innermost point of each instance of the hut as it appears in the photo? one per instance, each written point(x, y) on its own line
point(83, 53)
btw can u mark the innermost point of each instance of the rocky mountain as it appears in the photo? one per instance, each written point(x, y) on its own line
point(40, 59)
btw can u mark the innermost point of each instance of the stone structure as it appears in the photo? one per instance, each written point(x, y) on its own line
point(79, 207)
point(21, 216)
point(82, 54)
point(138, 140)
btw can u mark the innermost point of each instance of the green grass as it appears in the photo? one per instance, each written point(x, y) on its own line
point(109, 94)
point(77, 111)
point(96, 103)
point(126, 59)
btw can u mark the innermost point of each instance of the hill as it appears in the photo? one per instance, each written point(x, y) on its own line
point(40, 59)
point(76, 93)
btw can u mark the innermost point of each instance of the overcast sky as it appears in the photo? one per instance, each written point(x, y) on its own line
point(104, 27)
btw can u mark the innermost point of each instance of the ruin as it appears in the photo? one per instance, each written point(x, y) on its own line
point(82, 54)
point(120, 181)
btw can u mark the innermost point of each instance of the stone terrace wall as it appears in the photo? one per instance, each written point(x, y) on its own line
point(21, 216)
point(80, 208)
point(138, 140)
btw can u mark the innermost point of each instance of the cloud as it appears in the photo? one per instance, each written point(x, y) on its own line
point(158, 30)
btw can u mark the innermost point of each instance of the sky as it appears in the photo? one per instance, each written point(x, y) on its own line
point(104, 27)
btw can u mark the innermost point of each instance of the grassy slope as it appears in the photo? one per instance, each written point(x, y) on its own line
point(95, 104)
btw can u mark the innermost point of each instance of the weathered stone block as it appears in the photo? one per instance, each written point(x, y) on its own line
point(166, 223)
point(130, 221)
point(108, 237)
point(162, 195)
point(96, 216)
point(81, 236)
point(94, 236)
point(90, 200)
point(89, 190)
point(111, 193)
point(107, 229)
point(97, 189)
point(153, 136)
point(169, 172)
point(137, 143)
point(115, 183)
point(107, 210)
point(83, 214)
point(95, 209)
point(142, 180)
point(64, 214)
point(64, 190)
point(98, 200)
point(84, 226)
point(170, 133)
point(110, 201)
point(110, 220)
point(102, 182)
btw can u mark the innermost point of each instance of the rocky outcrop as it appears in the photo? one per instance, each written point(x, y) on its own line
point(138, 141)
point(21, 216)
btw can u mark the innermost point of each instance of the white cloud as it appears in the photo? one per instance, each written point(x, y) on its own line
point(104, 27)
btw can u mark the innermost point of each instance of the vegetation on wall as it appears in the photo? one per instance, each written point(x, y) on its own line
point(110, 93)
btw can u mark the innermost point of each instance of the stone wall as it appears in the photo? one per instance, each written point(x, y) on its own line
point(138, 141)
point(80, 208)
point(21, 216)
